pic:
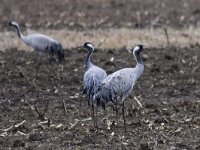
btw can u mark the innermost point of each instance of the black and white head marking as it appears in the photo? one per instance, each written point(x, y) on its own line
point(138, 49)
point(89, 46)
point(16, 26)
point(13, 23)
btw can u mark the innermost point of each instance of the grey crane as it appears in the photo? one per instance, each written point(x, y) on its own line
point(118, 85)
point(93, 77)
point(42, 44)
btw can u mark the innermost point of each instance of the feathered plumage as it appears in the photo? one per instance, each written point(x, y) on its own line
point(92, 78)
point(119, 84)
point(41, 43)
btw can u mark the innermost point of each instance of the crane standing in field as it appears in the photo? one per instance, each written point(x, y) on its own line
point(92, 79)
point(42, 44)
point(119, 84)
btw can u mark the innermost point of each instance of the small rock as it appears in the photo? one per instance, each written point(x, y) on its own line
point(35, 137)
point(18, 143)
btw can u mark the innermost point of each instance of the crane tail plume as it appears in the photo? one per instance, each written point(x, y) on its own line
point(60, 53)
point(56, 48)
point(103, 97)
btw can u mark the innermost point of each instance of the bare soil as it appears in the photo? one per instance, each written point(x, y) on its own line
point(168, 90)
point(51, 113)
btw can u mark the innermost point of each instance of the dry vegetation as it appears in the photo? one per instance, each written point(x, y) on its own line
point(111, 38)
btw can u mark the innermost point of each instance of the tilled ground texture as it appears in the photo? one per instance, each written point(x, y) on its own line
point(50, 112)
point(168, 90)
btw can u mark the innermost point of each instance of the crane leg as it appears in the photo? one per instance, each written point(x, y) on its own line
point(93, 116)
point(117, 114)
point(96, 125)
point(124, 116)
point(79, 109)
point(38, 66)
point(116, 109)
point(37, 69)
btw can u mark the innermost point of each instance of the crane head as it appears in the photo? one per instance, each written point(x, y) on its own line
point(60, 53)
point(13, 23)
point(88, 46)
point(56, 48)
point(138, 49)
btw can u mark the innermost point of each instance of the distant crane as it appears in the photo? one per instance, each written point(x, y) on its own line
point(92, 79)
point(119, 84)
point(42, 44)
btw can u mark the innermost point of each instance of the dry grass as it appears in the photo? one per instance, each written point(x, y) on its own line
point(113, 38)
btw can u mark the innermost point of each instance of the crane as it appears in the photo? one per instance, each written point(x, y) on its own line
point(92, 78)
point(42, 44)
point(118, 85)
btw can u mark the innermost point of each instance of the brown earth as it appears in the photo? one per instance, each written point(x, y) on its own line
point(168, 90)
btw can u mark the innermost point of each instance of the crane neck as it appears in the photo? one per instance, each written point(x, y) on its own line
point(18, 31)
point(88, 58)
point(139, 66)
point(138, 58)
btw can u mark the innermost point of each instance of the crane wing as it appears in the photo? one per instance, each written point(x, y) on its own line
point(119, 84)
point(92, 80)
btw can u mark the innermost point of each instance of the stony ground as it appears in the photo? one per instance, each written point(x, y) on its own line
point(50, 113)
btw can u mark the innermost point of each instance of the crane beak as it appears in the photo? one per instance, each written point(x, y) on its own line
point(79, 47)
point(129, 50)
